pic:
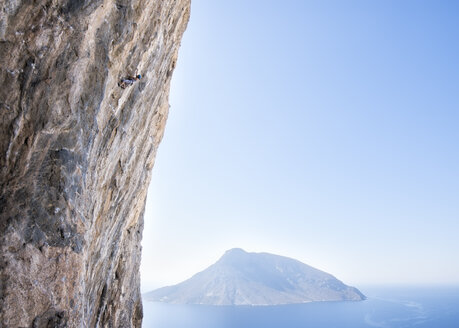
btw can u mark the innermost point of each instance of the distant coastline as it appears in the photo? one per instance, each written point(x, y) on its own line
point(402, 306)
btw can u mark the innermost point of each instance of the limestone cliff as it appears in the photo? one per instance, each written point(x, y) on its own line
point(76, 153)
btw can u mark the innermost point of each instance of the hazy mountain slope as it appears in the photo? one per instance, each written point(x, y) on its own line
point(241, 278)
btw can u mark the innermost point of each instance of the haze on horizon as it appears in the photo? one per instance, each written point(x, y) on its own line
point(325, 131)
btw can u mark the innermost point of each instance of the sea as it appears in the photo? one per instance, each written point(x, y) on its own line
point(386, 307)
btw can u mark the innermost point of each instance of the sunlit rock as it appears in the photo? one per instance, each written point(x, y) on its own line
point(76, 152)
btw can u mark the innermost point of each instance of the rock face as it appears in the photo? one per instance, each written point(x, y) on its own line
point(241, 278)
point(76, 153)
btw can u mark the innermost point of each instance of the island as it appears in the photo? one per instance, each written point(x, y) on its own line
point(243, 278)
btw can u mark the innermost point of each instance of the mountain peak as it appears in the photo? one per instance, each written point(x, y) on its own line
point(234, 254)
point(234, 251)
point(242, 278)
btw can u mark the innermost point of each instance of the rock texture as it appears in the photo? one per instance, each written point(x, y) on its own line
point(241, 278)
point(76, 153)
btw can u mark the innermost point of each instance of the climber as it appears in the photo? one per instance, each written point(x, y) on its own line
point(128, 81)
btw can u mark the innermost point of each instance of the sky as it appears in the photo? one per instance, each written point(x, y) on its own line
point(326, 131)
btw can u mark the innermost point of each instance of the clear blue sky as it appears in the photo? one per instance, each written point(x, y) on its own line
point(326, 131)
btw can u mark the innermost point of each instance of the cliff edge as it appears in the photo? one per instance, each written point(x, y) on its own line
point(76, 152)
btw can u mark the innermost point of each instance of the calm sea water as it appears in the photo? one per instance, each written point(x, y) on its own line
point(420, 307)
